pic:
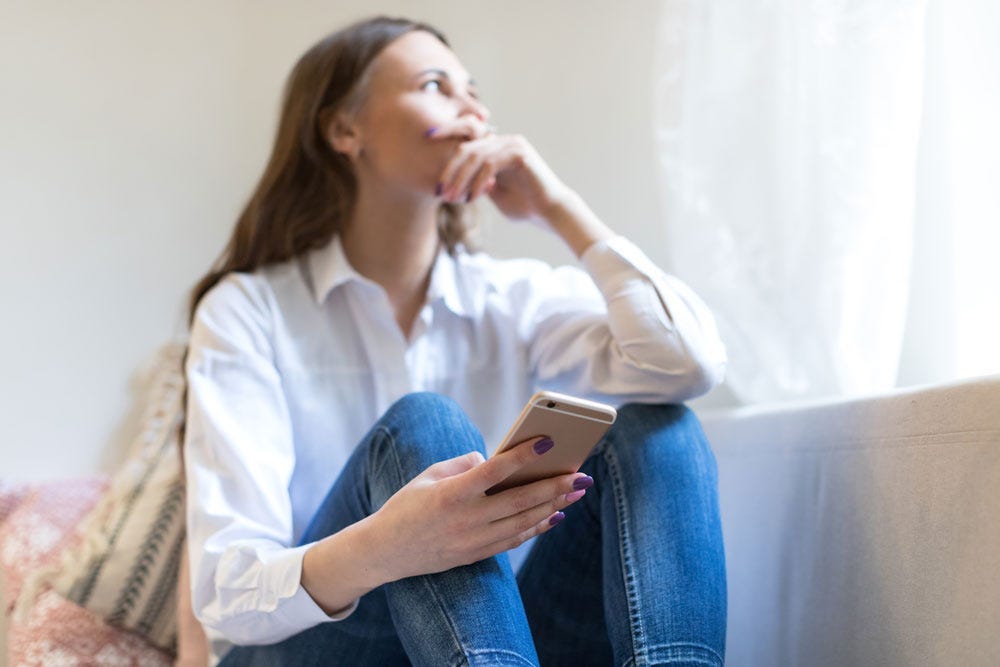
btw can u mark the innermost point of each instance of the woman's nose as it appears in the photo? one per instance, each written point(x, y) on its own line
point(471, 105)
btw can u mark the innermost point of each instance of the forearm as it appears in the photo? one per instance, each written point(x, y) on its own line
point(572, 219)
point(339, 569)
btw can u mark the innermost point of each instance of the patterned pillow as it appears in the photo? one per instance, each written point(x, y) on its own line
point(125, 567)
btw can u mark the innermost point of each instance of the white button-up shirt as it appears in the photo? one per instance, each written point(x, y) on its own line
point(289, 367)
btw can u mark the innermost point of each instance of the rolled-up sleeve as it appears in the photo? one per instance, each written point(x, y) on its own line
point(239, 457)
point(627, 329)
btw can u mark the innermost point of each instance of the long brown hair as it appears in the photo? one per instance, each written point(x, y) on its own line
point(308, 190)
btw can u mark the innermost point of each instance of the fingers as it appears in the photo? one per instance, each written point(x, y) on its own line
point(516, 501)
point(474, 171)
point(466, 128)
point(500, 466)
point(521, 522)
point(483, 182)
point(474, 158)
point(506, 544)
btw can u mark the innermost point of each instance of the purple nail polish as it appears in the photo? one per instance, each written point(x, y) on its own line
point(430, 132)
point(556, 518)
point(584, 482)
point(544, 445)
point(438, 189)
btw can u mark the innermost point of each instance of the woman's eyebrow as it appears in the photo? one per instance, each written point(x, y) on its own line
point(435, 70)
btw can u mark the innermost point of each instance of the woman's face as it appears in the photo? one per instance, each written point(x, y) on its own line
point(415, 83)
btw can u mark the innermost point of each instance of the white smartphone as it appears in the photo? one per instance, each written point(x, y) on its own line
point(576, 425)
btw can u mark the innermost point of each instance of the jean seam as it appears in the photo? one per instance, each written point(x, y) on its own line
point(687, 652)
point(501, 653)
point(456, 642)
point(624, 544)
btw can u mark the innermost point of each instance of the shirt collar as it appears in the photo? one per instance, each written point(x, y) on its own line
point(328, 268)
point(461, 291)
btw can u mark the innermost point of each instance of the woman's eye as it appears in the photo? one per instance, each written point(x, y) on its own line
point(428, 85)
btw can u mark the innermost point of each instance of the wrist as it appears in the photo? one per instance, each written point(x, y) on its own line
point(340, 569)
point(571, 218)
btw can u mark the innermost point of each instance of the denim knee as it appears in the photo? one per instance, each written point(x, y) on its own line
point(419, 430)
point(670, 435)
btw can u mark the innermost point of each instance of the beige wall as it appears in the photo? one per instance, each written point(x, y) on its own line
point(132, 132)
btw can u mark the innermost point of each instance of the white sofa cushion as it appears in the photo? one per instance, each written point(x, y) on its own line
point(863, 532)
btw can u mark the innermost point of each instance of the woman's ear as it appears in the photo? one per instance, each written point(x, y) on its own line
point(342, 134)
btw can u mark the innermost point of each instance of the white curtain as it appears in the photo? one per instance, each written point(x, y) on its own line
point(788, 134)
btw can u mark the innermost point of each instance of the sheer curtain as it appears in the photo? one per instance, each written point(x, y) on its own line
point(788, 132)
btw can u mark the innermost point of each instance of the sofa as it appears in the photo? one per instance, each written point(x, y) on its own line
point(858, 532)
point(863, 531)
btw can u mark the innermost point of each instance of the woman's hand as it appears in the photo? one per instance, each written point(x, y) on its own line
point(517, 179)
point(440, 520)
point(506, 167)
point(443, 517)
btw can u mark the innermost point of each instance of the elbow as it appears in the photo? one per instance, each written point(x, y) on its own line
point(702, 376)
point(694, 375)
point(239, 630)
point(671, 373)
point(706, 368)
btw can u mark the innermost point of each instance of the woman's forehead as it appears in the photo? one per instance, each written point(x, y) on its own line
point(414, 53)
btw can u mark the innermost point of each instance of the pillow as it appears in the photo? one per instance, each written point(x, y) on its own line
point(37, 525)
point(35, 534)
point(125, 568)
point(58, 632)
point(11, 496)
point(39, 529)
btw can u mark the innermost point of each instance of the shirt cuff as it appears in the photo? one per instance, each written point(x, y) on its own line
point(297, 607)
point(614, 261)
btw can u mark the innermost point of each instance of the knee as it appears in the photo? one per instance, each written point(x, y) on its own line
point(425, 410)
point(661, 436)
point(431, 416)
point(423, 428)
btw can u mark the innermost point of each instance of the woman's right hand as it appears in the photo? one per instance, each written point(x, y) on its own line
point(443, 518)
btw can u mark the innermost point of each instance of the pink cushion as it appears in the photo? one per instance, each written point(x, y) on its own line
point(11, 496)
point(39, 525)
point(37, 531)
point(59, 632)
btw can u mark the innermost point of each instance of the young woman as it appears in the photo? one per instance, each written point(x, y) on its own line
point(350, 361)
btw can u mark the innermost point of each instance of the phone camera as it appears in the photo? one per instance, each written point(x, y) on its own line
point(550, 404)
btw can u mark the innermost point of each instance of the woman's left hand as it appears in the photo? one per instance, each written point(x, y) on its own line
point(506, 167)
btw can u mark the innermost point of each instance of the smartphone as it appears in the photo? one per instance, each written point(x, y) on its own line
point(576, 425)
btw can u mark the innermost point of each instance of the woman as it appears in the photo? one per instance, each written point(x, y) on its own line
point(348, 355)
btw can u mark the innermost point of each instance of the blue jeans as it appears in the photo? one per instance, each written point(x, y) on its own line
point(635, 575)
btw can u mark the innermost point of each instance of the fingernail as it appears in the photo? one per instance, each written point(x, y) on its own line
point(544, 445)
point(556, 518)
point(584, 482)
point(575, 495)
point(430, 132)
point(438, 189)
